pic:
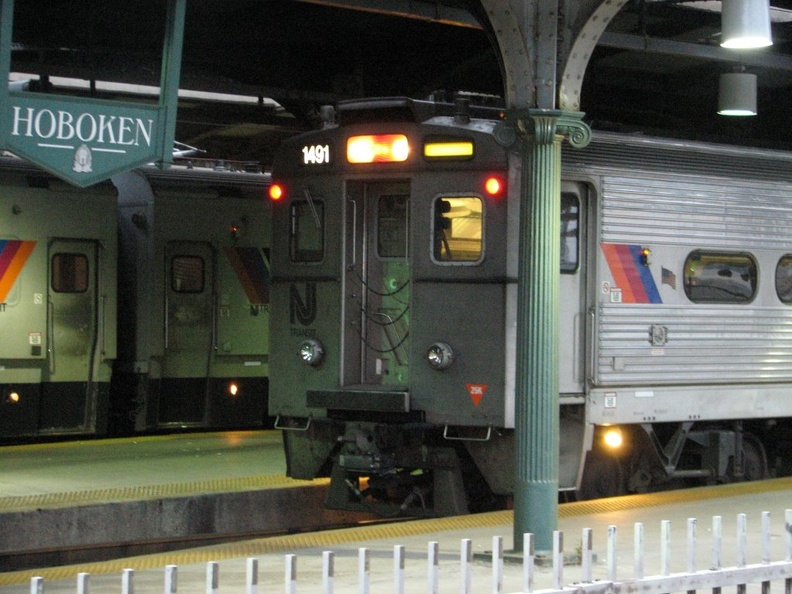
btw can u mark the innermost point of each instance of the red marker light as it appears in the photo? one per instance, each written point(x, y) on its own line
point(275, 192)
point(493, 186)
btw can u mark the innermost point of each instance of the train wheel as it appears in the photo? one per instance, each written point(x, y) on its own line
point(754, 459)
point(603, 476)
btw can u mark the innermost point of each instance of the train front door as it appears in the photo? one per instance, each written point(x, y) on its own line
point(189, 282)
point(572, 295)
point(377, 284)
point(69, 389)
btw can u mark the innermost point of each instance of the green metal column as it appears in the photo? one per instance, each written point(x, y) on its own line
point(536, 384)
point(169, 78)
point(6, 31)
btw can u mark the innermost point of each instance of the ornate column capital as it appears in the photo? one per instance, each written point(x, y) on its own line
point(543, 126)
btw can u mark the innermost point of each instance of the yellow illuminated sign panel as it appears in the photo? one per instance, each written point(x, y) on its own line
point(448, 150)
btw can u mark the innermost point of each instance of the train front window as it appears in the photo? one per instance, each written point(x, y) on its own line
point(718, 277)
point(392, 226)
point(69, 273)
point(458, 229)
point(306, 238)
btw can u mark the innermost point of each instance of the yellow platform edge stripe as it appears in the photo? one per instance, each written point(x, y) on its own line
point(391, 532)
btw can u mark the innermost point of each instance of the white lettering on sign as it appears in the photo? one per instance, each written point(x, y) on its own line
point(317, 154)
point(60, 125)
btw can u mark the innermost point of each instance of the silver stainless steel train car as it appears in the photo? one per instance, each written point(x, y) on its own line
point(132, 306)
point(394, 297)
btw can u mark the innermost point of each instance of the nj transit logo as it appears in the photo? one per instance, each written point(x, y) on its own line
point(302, 308)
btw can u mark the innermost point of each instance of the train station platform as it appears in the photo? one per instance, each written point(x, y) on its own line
point(69, 501)
point(665, 518)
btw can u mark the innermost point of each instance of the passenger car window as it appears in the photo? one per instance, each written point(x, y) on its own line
point(783, 278)
point(69, 273)
point(187, 274)
point(570, 233)
point(306, 237)
point(718, 277)
point(458, 229)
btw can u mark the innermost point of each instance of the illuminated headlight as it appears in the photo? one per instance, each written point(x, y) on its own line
point(311, 352)
point(613, 438)
point(440, 356)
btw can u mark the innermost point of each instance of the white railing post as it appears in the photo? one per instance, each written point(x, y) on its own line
point(128, 581)
point(765, 547)
point(212, 577)
point(171, 579)
point(586, 555)
point(788, 546)
point(328, 572)
point(465, 563)
point(291, 574)
point(364, 571)
point(251, 575)
point(36, 585)
point(742, 527)
point(665, 547)
point(638, 551)
point(717, 547)
point(558, 559)
point(497, 564)
point(398, 569)
point(433, 568)
point(611, 553)
point(83, 583)
point(529, 558)
point(692, 524)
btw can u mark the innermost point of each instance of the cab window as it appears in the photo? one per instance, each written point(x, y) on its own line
point(720, 277)
point(306, 236)
point(458, 229)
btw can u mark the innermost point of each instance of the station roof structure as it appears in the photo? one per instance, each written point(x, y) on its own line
point(257, 71)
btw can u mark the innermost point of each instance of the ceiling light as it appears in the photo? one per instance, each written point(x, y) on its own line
point(737, 94)
point(745, 24)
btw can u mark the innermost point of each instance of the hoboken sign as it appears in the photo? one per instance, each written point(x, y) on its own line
point(81, 140)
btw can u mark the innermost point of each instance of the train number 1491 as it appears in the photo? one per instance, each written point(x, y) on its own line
point(316, 154)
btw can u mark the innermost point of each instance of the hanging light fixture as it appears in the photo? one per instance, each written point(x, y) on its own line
point(745, 24)
point(737, 94)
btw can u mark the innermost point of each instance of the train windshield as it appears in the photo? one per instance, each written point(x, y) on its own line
point(457, 229)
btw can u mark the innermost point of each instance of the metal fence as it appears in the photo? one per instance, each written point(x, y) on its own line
point(714, 577)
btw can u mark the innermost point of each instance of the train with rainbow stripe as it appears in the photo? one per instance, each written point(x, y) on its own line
point(395, 242)
point(140, 304)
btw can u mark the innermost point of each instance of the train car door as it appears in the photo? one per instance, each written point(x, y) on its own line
point(377, 300)
point(572, 294)
point(68, 390)
point(189, 282)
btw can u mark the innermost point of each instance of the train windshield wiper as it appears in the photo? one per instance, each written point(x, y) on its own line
point(310, 200)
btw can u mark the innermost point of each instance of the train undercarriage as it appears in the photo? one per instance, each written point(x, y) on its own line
point(420, 472)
